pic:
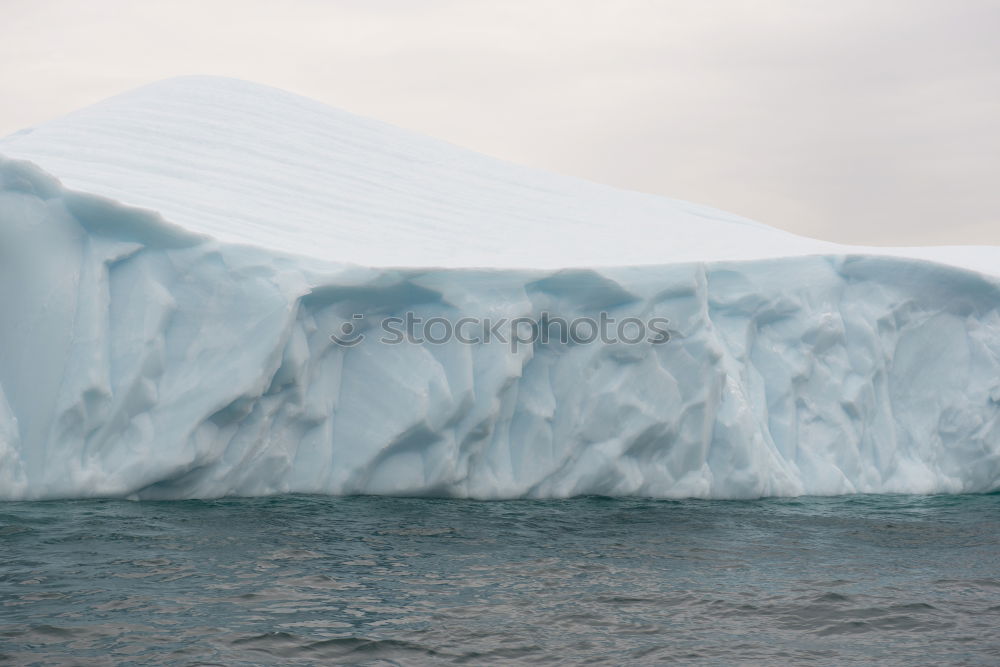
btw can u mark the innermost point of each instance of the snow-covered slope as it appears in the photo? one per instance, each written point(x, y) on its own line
point(168, 309)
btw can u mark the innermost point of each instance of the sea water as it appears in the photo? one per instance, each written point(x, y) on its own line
point(304, 579)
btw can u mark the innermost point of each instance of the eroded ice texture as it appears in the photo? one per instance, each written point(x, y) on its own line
point(167, 312)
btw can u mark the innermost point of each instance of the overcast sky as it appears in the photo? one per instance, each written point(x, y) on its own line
point(860, 121)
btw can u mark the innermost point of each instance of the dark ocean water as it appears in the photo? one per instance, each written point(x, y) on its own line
point(304, 580)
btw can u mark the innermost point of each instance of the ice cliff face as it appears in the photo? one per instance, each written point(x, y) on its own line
point(168, 310)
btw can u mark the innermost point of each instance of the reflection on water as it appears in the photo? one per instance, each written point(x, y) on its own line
point(898, 580)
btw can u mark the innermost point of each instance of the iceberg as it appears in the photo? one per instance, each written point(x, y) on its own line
point(177, 263)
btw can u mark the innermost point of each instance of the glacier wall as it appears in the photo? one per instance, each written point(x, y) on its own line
point(141, 360)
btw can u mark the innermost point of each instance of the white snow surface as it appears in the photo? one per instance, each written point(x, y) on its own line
point(174, 260)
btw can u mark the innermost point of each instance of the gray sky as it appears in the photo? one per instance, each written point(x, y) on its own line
point(861, 121)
